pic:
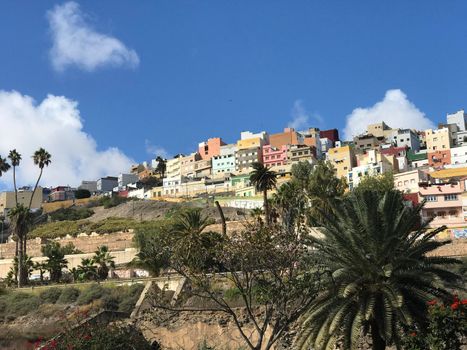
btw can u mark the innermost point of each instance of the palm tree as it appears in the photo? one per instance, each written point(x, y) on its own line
point(21, 221)
point(15, 159)
point(4, 166)
point(380, 277)
point(322, 190)
point(41, 158)
point(103, 259)
point(86, 271)
point(191, 222)
point(264, 180)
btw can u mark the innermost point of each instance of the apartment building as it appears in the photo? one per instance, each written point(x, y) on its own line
point(443, 203)
point(91, 186)
point(173, 166)
point(366, 142)
point(107, 184)
point(459, 156)
point(8, 200)
point(459, 118)
point(343, 159)
point(245, 157)
point(224, 163)
point(439, 143)
point(301, 153)
point(380, 130)
point(331, 134)
point(408, 182)
point(62, 193)
point(250, 140)
point(369, 164)
point(417, 159)
point(202, 168)
point(406, 138)
point(125, 179)
point(187, 164)
point(210, 148)
point(275, 156)
point(288, 137)
point(311, 138)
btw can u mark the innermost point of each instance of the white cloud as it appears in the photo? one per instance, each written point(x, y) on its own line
point(395, 110)
point(301, 117)
point(76, 43)
point(54, 124)
point(155, 150)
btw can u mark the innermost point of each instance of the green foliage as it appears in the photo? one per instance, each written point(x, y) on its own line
point(56, 261)
point(16, 304)
point(93, 292)
point(446, 327)
point(380, 183)
point(104, 262)
point(380, 276)
point(82, 193)
point(99, 336)
point(50, 295)
point(71, 214)
point(69, 295)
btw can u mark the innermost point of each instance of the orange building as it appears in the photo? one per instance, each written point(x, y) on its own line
point(438, 159)
point(210, 148)
point(288, 137)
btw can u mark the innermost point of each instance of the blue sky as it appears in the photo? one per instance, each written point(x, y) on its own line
point(214, 68)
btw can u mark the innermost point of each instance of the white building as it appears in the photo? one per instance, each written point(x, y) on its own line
point(408, 182)
point(459, 118)
point(459, 156)
point(406, 138)
point(125, 179)
point(356, 174)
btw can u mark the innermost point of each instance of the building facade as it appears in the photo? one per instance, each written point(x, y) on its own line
point(343, 159)
point(275, 156)
point(210, 148)
point(107, 184)
point(8, 200)
point(288, 137)
point(245, 157)
point(408, 182)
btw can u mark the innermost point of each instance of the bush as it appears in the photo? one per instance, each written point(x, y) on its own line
point(50, 295)
point(72, 214)
point(93, 292)
point(82, 193)
point(20, 304)
point(69, 295)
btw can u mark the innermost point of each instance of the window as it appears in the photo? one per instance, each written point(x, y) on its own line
point(431, 198)
point(453, 212)
point(450, 197)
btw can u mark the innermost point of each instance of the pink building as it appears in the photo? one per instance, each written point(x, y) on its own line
point(210, 148)
point(443, 203)
point(275, 156)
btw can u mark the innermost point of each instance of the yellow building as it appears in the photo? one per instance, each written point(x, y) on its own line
point(8, 201)
point(438, 140)
point(250, 140)
point(343, 159)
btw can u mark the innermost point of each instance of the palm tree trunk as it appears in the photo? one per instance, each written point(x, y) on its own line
point(35, 188)
point(378, 342)
point(14, 184)
point(20, 276)
point(266, 207)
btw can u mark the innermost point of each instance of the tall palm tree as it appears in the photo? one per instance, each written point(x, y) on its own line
point(264, 180)
point(4, 166)
point(41, 158)
point(15, 159)
point(104, 260)
point(380, 277)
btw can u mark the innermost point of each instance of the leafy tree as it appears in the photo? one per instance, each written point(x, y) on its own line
point(154, 247)
point(161, 166)
point(264, 180)
point(82, 193)
point(380, 276)
point(265, 267)
point(291, 202)
point(104, 260)
point(56, 261)
point(380, 183)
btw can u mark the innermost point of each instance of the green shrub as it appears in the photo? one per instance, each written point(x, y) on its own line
point(20, 304)
point(71, 214)
point(110, 302)
point(93, 292)
point(50, 295)
point(69, 295)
